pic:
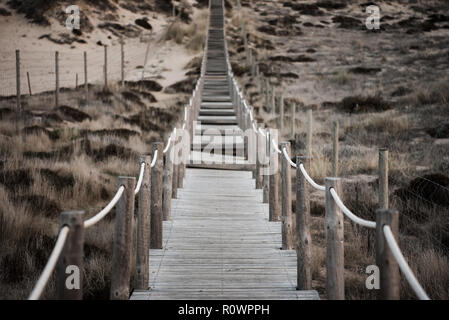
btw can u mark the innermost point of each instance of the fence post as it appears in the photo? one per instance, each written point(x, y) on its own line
point(383, 178)
point(335, 282)
point(105, 67)
point(122, 56)
point(181, 159)
point(76, 81)
point(86, 89)
point(168, 182)
point(388, 266)
point(175, 166)
point(267, 164)
point(57, 79)
point(304, 240)
point(281, 112)
point(293, 128)
point(274, 181)
point(335, 149)
point(287, 220)
point(29, 83)
point(70, 263)
point(309, 133)
point(156, 197)
point(123, 238)
point(143, 227)
point(18, 93)
point(260, 159)
point(267, 92)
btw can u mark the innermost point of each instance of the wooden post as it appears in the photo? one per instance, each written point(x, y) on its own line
point(304, 240)
point(175, 166)
point(335, 149)
point(267, 93)
point(274, 214)
point(143, 227)
point(123, 238)
point(287, 234)
point(29, 83)
point(181, 161)
point(293, 127)
point(168, 182)
point(105, 68)
point(86, 89)
point(309, 133)
point(281, 112)
point(388, 266)
point(383, 178)
point(122, 51)
point(70, 263)
point(57, 79)
point(335, 282)
point(18, 93)
point(156, 198)
point(266, 171)
point(260, 159)
point(76, 81)
point(273, 101)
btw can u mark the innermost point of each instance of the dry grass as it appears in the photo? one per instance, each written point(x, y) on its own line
point(67, 165)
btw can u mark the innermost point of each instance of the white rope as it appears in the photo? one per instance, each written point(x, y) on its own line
point(349, 214)
point(185, 113)
point(100, 215)
point(408, 273)
point(284, 151)
point(310, 180)
point(261, 132)
point(275, 146)
point(168, 145)
point(51, 263)
point(153, 162)
point(184, 125)
point(254, 126)
point(140, 180)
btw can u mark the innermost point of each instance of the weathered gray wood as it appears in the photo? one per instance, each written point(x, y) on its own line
point(388, 266)
point(105, 68)
point(220, 245)
point(175, 167)
point(273, 101)
point(156, 197)
point(303, 238)
point(281, 112)
point(335, 283)
point(167, 182)
point(383, 178)
point(122, 244)
point(18, 93)
point(86, 88)
point(143, 227)
point(275, 214)
point(293, 119)
point(335, 149)
point(122, 61)
point(56, 79)
point(266, 171)
point(70, 263)
point(260, 159)
point(309, 133)
point(287, 235)
point(29, 83)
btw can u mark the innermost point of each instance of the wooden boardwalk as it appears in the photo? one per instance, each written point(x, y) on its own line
point(220, 244)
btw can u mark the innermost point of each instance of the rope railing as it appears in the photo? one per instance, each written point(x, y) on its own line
point(333, 194)
point(349, 214)
point(51, 264)
point(403, 265)
point(100, 215)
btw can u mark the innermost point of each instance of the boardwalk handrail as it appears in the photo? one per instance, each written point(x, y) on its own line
point(190, 114)
point(333, 194)
point(403, 265)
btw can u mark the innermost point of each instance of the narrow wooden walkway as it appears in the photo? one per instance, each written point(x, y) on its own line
point(220, 244)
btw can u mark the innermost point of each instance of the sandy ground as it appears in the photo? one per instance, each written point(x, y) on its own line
point(164, 60)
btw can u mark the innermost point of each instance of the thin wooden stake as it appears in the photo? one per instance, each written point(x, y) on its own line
point(156, 197)
point(287, 221)
point(309, 133)
point(168, 182)
point(57, 79)
point(335, 149)
point(274, 214)
point(383, 178)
